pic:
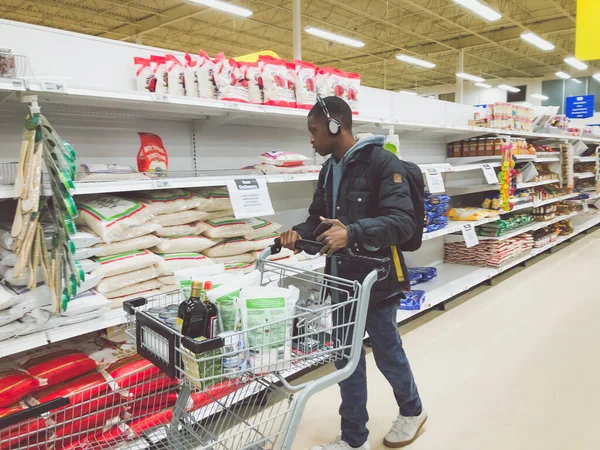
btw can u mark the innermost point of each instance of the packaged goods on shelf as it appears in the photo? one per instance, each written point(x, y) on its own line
point(7, 63)
point(306, 90)
point(173, 262)
point(152, 156)
point(180, 218)
point(283, 159)
point(189, 76)
point(231, 82)
point(503, 226)
point(15, 384)
point(16, 436)
point(419, 275)
point(235, 259)
point(488, 253)
point(167, 201)
point(509, 116)
point(255, 83)
point(285, 256)
point(262, 242)
point(88, 265)
point(129, 233)
point(412, 300)
point(86, 302)
point(144, 75)
point(125, 262)
point(240, 268)
point(436, 214)
point(269, 169)
point(471, 213)
point(55, 366)
point(119, 281)
point(119, 247)
point(543, 213)
point(213, 198)
point(159, 69)
point(189, 229)
point(278, 78)
point(345, 85)
point(106, 172)
point(184, 244)
point(260, 228)
point(132, 288)
point(227, 227)
point(175, 75)
point(229, 247)
point(205, 68)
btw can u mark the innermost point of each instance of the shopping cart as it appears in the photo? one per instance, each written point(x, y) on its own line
point(228, 392)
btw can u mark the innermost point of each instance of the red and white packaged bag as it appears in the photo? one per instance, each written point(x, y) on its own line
point(152, 155)
point(205, 69)
point(144, 75)
point(255, 84)
point(341, 84)
point(278, 78)
point(16, 385)
point(322, 83)
point(22, 434)
point(175, 76)
point(190, 77)
point(56, 366)
point(352, 91)
point(306, 91)
point(159, 68)
point(231, 81)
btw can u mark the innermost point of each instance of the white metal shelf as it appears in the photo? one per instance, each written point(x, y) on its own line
point(456, 226)
point(583, 175)
point(472, 189)
point(582, 159)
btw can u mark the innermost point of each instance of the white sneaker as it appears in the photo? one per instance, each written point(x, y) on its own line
point(404, 430)
point(338, 444)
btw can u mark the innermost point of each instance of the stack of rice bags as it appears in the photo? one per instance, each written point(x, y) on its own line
point(285, 162)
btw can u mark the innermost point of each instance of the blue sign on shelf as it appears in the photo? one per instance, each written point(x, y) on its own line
point(580, 106)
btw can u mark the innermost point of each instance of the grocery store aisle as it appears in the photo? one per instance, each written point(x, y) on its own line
point(514, 367)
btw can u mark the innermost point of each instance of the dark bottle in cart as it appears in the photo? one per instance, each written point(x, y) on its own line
point(211, 308)
point(192, 313)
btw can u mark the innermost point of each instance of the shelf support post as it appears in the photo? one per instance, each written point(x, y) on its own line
point(297, 29)
point(460, 65)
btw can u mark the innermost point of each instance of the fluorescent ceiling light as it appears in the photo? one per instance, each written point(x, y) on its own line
point(334, 37)
point(225, 7)
point(575, 80)
point(563, 75)
point(480, 9)
point(534, 39)
point(597, 76)
point(415, 61)
point(470, 77)
point(509, 88)
point(539, 96)
point(483, 85)
point(407, 92)
point(574, 62)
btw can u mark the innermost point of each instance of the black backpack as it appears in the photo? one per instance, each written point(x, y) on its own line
point(411, 173)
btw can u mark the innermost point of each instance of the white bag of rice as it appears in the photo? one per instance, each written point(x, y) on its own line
point(88, 265)
point(84, 303)
point(219, 214)
point(213, 198)
point(235, 259)
point(130, 233)
point(134, 288)
point(260, 227)
point(167, 279)
point(260, 243)
point(108, 215)
point(84, 239)
point(240, 268)
point(227, 227)
point(137, 243)
point(8, 274)
point(225, 296)
point(125, 262)
point(117, 302)
point(180, 218)
point(190, 229)
point(267, 317)
point(124, 280)
point(183, 244)
point(85, 253)
point(165, 201)
point(178, 261)
point(7, 257)
point(278, 158)
point(229, 247)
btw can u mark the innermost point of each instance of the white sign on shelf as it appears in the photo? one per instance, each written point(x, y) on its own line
point(52, 86)
point(289, 177)
point(586, 207)
point(490, 174)
point(156, 184)
point(161, 98)
point(435, 182)
point(471, 239)
point(250, 197)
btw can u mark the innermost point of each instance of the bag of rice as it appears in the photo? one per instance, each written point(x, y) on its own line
point(235, 259)
point(138, 243)
point(190, 78)
point(88, 265)
point(213, 198)
point(166, 201)
point(267, 317)
point(227, 227)
point(85, 253)
point(240, 268)
point(190, 229)
point(85, 303)
point(177, 261)
point(229, 247)
point(108, 215)
point(260, 227)
point(125, 262)
point(278, 158)
point(205, 76)
point(260, 243)
point(83, 239)
point(26, 300)
point(133, 288)
point(183, 244)
point(117, 282)
point(167, 279)
point(53, 367)
point(8, 274)
point(180, 218)
point(130, 233)
point(175, 76)
point(226, 295)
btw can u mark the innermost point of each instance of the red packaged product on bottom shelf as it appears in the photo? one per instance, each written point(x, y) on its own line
point(151, 403)
point(215, 392)
point(138, 427)
point(158, 383)
point(130, 371)
point(22, 434)
point(15, 385)
point(58, 366)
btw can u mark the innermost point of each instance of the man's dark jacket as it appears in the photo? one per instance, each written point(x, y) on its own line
point(376, 218)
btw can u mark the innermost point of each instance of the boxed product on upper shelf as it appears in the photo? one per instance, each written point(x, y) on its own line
point(505, 116)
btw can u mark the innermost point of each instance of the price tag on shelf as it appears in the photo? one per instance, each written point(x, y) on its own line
point(586, 207)
point(490, 174)
point(469, 235)
point(18, 84)
point(157, 184)
point(289, 177)
point(250, 198)
point(52, 86)
point(164, 98)
point(435, 182)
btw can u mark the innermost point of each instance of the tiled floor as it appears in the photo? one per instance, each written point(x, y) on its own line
point(516, 366)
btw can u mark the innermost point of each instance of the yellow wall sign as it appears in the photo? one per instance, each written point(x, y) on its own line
point(253, 57)
point(587, 41)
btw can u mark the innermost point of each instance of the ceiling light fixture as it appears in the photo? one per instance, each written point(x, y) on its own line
point(415, 61)
point(539, 96)
point(574, 62)
point(575, 80)
point(468, 76)
point(508, 88)
point(225, 7)
point(563, 75)
point(480, 9)
point(408, 92)
point(483, 85)
point(596, 76)
point(534, 39)
point(334, 37)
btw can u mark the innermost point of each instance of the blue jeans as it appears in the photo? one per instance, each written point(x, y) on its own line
point(392, 362)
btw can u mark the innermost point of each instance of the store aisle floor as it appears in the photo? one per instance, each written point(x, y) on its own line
point(515, 367)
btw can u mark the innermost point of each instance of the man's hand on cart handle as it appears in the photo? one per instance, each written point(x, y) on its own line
point(288, 240)
point(333, 239)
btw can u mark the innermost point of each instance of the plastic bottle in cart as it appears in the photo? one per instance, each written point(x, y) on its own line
point(212, 312)
point(192, 313)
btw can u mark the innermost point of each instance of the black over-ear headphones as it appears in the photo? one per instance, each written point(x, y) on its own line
point(334, 125)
